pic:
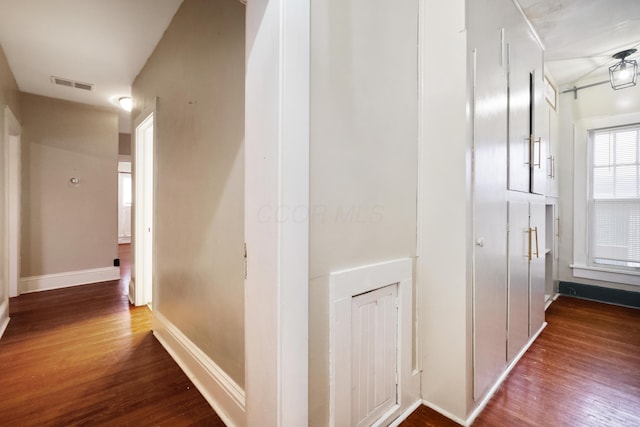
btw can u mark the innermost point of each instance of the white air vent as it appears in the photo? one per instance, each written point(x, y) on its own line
point(71, 83)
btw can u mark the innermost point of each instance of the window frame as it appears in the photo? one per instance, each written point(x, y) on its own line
point(582, 186)
point(591, 200)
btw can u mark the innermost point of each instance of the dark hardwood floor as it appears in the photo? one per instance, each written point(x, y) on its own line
point(583, 370)
point(84, 356)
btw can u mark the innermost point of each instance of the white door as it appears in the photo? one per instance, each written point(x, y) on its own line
point(143, 243)
point(13, 200)
point(374, 338)
point(537, 267)
point(521, 250)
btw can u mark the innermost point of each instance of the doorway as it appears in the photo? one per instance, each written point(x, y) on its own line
point(13, 200)
point(143, 212)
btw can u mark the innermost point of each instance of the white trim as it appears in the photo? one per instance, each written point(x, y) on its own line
point(581, 193)
point(550, 301)
point(406, 414)
point(67, 279)
point(124, 240)
point(487, 397)
point(606, 274)
point(4, 316)
point(277, 174)
point(485, 400)
point(224, 395)
point(143, 206)
point(12, 194)
point(444, 412)
point(343, 286)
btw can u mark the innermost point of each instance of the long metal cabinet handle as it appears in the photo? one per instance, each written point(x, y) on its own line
point(532, 149)
point(539, 164)
point(537, 249)
point(530, 256)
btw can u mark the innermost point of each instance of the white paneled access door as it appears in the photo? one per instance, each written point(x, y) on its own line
point(374, 337)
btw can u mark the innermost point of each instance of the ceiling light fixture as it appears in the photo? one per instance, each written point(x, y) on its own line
point(624, 73)
point(126, 103)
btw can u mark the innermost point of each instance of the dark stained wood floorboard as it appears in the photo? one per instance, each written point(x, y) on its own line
point(583, 370)
point(83, 356)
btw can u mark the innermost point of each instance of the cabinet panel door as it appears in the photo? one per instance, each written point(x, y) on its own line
point(519, 102)
point(490, 216)
point(540, 127)
point(518, 289)
point(537, 266)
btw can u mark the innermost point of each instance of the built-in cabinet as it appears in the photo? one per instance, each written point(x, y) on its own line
point(510, 151)
point(526, 274)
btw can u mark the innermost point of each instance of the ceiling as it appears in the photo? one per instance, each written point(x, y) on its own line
point(106, 42)
point(580, 36)
point(102, 42)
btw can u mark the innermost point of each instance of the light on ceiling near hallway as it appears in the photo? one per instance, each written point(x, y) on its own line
point(624, 73)
point(126, 103)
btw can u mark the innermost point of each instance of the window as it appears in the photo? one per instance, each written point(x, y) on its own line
point(614, 198)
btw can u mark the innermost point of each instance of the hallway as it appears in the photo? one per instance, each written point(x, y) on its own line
point(84, 356)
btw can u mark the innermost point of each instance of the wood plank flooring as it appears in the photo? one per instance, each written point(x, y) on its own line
point(83, 356)
point(583, 370)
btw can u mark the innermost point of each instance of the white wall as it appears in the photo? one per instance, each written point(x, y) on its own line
point(363, 153)
point(443, 268)
point(593, 104)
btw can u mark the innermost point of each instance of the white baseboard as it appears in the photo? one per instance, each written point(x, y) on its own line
point(4, 316)
point(223, 394)
point(123, 240)
point(67, 279)
point(487, 397)
point(445, 413)
point(492, 391)
point(406, 413)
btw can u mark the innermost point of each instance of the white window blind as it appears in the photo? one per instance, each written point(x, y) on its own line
point(615, 197)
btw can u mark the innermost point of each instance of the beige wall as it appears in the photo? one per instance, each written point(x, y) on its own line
point(124, 144)
point(9, 96)
point(363, 153)
point(67, 227)
point(197, 73)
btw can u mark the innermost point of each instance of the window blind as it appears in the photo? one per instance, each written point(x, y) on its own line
point(615, 197)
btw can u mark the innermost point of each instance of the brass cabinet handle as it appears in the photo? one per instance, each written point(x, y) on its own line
point(530, 243)
point(537, 249)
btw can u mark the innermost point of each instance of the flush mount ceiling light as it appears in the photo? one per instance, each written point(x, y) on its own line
point(624, 73)
point(126, 103)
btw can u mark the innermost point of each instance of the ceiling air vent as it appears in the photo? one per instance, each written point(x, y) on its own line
point(71, 83)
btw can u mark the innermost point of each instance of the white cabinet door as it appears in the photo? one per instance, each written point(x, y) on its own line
point(520, 247)
point(527, 149)
point(540, 127)
point(374, 337)
point(519, 104)
point(489, 212)
point(537, 266)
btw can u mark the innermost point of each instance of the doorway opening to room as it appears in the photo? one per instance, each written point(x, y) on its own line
point(13, 200)
point(141, 287)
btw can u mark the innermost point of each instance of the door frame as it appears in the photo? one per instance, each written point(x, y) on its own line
point(13, 167)
point(277, 86)
point(141, 287)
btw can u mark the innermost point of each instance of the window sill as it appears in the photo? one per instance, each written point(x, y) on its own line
point(606, 274)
